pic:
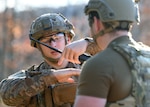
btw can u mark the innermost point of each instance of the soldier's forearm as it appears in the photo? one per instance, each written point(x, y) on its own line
point(13, 92)
point(16, 91)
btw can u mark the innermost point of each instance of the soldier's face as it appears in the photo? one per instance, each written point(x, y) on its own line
point(56, 41)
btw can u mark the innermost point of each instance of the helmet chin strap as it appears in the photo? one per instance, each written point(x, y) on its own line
point(107, 30)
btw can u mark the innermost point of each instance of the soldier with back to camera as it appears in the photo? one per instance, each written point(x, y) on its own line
point(119, 75)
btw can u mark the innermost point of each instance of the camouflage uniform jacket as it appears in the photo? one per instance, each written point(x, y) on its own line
point(27, 89)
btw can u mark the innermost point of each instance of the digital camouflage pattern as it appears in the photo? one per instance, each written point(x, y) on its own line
point(37, 86)
point(29, 88)
point(32, 87)
point(138, 57)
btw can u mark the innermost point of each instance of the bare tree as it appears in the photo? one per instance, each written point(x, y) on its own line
point(7, 37)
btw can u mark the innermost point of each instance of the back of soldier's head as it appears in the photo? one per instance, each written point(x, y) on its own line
point(110, 11)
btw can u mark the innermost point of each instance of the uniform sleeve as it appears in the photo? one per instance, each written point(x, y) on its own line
point(95, 79)
point(18, 88)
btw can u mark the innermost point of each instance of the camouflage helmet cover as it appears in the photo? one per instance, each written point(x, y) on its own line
point(114, 10)
point(48, 24)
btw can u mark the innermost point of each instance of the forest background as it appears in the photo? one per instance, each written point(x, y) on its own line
point(15, 50)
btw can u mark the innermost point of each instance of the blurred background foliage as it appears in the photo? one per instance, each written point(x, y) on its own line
point(15, 50)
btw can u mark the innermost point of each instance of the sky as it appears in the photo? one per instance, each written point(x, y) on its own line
point(23, 4)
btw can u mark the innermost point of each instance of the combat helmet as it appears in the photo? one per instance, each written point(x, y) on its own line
point(50, 23)
point(114, 11)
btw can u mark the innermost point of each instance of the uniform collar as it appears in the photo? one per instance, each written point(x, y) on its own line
point(121, 40)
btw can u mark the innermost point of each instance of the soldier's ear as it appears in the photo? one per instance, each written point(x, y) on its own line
point(97, 24)
point(38, 46)
point(68, 38)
